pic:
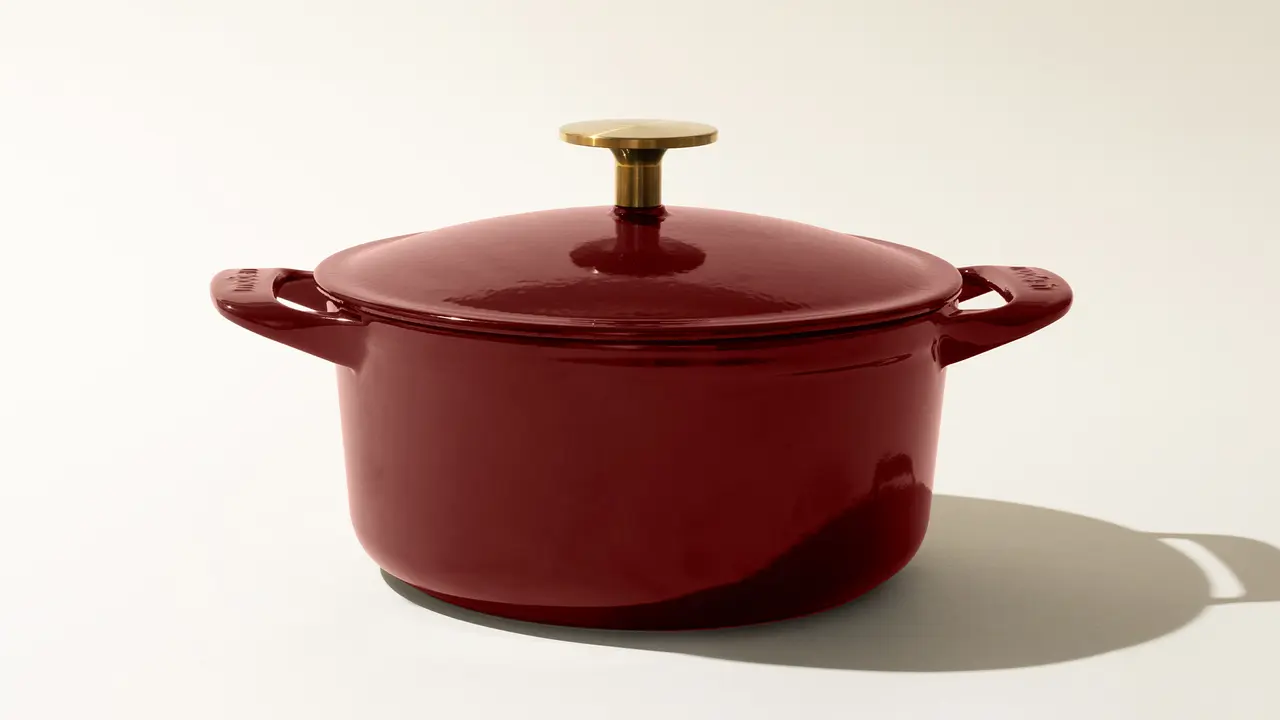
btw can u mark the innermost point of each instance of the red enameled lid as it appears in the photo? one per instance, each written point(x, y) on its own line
point(638, 271)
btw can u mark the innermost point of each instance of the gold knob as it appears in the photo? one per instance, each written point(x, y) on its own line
point(638, 146)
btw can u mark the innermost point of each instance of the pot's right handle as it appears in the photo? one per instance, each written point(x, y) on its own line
point(1035, 298)
point(1255, 564)
point(249, 297)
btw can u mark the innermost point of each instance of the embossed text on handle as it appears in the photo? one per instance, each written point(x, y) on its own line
point(1034, 279)
point(244, 280)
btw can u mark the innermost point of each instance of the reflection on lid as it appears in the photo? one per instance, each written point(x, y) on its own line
point(613, 297)
point(638, 257)
point(638, 248)
point(632, 277)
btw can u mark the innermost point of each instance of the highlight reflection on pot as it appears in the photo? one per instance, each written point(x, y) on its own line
point(580, 415)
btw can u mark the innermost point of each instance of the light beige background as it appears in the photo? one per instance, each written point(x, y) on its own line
point(172, 496)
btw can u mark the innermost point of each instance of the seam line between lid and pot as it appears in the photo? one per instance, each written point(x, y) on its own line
point(603, 334)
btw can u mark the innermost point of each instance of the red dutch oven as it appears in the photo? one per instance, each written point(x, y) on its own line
point(640, 416)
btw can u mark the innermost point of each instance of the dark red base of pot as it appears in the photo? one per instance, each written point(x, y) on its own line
point(849, 557)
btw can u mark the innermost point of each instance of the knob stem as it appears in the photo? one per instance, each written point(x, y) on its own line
point(638, 179)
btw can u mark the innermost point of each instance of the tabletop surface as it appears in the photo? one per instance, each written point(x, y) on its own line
point(173, 506)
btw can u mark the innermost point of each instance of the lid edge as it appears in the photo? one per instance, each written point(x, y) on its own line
point(642, 332)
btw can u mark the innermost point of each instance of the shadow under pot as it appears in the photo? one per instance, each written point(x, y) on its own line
point(995, 585)
point(640, 416)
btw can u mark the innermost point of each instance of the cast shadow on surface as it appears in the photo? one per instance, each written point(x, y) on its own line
point(995, 585)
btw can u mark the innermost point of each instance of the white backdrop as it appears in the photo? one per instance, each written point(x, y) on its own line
point(172, 508)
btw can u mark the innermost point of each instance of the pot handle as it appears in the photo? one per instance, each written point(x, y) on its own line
point(249, 297)
point(1255, 564)
point(1036, 298)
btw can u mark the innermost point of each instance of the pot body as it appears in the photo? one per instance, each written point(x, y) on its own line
point(643, 487)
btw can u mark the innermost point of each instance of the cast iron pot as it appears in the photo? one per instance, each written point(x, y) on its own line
point(640, 416)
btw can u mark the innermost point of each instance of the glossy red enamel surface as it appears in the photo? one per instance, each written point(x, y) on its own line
point(581, 477)
point(641, 486)
point(660, 273)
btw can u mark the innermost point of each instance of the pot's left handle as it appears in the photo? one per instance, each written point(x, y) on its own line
point(249, 297)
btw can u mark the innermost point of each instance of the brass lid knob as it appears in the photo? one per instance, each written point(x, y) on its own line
point(638, 146)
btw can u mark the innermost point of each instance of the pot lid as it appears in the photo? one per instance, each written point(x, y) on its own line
point(638, 270)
